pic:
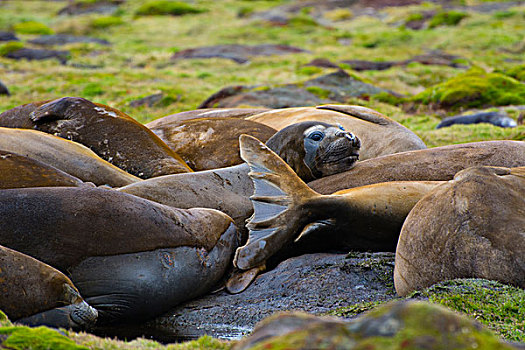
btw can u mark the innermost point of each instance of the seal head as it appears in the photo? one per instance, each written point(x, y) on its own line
point(324, 149)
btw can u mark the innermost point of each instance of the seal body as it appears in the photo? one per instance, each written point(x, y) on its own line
point(206, 113)
point(433, 164)
point(35, 293)
point(78, 229)
point(111, 134)
point(210, 143)
point(494, 118)
point(19, 171)
point(70, 157)
point(470, 227)
point(379, 134)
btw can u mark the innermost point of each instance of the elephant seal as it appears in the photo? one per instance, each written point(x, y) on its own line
point(433, 164)
point(470, 227)
point(210, 143)
point(130, 258)
point(228, 189)
point(289, 215)
point(68, 156)
point(19, 171)
point(36, 294)
point(500, 119)
point(207, 113)
point(113, 135)
point(379, 134)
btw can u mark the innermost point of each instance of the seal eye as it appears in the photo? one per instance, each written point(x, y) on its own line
point(316, 136)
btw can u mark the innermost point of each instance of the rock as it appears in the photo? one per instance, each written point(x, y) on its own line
point(63, 39)
point(149, 101)
point(316, 283)
point(397, 325)
point(38, 54)
point(236, 53)
point(470, 227)
point(3, 89)
point(8, 36)
point(431, 58)
point(322, 62)
point(83, 7)
point(360, 65)
point(334, 87)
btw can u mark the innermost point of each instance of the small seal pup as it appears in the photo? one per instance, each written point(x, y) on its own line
point(113, 135)
point(36, 294)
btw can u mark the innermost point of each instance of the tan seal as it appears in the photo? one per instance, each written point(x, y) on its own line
point(379, 134)
point(113, 135)
point(68, 156)
point(470, 227)
point(36, 294)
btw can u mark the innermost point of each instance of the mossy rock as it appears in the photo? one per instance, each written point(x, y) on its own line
point(9, 47)
point(22, 338)
point(446, 18)
point(166, 7)
point(396, 325)
point(475, 88)
point(32, 27)
point(500, 307)
point(4, 321)
point(106, 22)
point(516, 72)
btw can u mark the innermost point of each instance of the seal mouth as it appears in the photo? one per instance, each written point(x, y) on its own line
point(352, 158)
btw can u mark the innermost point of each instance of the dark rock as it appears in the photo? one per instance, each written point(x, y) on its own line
point(3, 89)
point(333, 87)
point(237, 53)
point(322, 62)
point(360, 65)
point(63, 39)
point(38, 54)
point(431, 58)
point(315, 283)
point(500, 119)
point(397, 325)
point(80, 8)
point(8, 36)
point(149, 101)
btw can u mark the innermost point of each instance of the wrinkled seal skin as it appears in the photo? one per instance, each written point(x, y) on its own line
point(111, 134)
point(470, 227)
point(290, 217)
point(433, 164)
point(379, 134)
point(68, 156)
point(78, 229)
point(210, 143)
point(35, 293)
point(18, 171)
point(228, 189)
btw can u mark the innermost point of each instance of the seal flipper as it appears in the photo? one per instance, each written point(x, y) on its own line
point(278, 192)
point(58, 109)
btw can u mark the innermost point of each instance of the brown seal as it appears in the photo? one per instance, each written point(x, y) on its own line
point(70, 157)
point(19, 171)
point(289, 215)
point(210, 143)
point(470, 227)
point(433, 164)
point(228, 189)
point(129, 257)
point(111, 134)
point(379, 134)
point(35, 293)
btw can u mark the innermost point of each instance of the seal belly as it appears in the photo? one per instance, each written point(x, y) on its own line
point(142, 285)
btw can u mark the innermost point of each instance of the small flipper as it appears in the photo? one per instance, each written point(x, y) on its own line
point(240, 280)
point(360, 112)
point(277, 192)
point(59, 109)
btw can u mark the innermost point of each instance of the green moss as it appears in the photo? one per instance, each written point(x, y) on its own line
point(302, 20)
point(340, 14)
point(4, 321)
point(105, 22)
point(166, 7)
point(387, 97)
point(446, 18)
point(92, 90)
point(475, 88)
point(318, 91)
point(354, 310)
point(22, 338)
point(498, 306)
point(517, 72)
point(309, 70)
point(32, 27)
point(9, 47)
